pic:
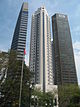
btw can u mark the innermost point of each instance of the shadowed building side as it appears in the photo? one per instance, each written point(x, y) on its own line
point(19, 37)
point(63, 57)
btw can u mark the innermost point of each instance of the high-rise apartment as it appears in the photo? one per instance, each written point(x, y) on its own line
point(19, 37)
point(63, 57)
point(40, 49)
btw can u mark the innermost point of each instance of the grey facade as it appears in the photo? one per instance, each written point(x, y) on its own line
point(40, 49)
point(19, 37)
point(63, 57)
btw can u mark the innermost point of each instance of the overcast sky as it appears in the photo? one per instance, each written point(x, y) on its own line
point(9, 11)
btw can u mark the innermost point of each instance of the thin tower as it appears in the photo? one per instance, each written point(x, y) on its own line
point(20, 33)
point(40, 49)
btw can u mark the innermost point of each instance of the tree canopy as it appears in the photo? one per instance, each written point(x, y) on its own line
point(10, 89)
point(40, 98)
point(69, 96)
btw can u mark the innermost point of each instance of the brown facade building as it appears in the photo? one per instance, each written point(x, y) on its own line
point(63, 56)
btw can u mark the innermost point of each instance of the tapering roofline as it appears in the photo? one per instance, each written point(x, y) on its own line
point(25, 6)
point(42, 8)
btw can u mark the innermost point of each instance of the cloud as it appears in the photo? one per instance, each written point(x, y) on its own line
point(76, 30)
point(76, 47)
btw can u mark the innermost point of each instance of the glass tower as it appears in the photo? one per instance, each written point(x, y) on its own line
point(63, 57)
point(19, 37)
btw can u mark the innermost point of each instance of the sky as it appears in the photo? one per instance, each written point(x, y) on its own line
point(9, 11)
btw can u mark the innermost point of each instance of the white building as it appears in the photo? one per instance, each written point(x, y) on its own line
point(40, 49)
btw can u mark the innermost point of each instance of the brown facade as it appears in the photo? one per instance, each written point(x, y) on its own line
point(63, 57)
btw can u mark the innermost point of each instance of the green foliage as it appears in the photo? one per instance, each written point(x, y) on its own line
point(3, 65)
point(3, 59)
point(69, 95)
point(11, 86)
point(41, 98)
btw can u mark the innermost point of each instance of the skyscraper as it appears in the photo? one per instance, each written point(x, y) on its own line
point(64, 65)
point(19, 37)
point(40, 49)
point(15, 73)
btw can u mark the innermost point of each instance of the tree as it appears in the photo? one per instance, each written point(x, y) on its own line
point(10, 89)
point(41, 99)
point(69, 96)
point(3, 66)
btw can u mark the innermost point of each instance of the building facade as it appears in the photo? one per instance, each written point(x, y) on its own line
point(19, 37)
point(63, 57)
point(40, 49)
